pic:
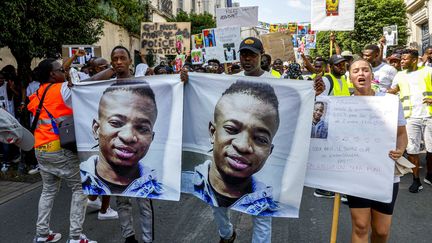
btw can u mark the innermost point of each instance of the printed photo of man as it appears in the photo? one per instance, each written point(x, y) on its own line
point(124, 129)
point(319, 126)
point(246, 119)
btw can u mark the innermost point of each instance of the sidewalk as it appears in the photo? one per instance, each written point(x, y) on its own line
point(10, 189)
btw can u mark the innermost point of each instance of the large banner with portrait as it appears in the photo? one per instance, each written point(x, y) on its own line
point(245, 142)
point(351, 140)
point(129, 136)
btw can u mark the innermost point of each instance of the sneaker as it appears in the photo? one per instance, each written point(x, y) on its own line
point(323, 193)
point(34, 171)
point(110, 214)
point(416, 186)
point(428, 180)
point(52, 237)
point(230, 240)
point(96, 204)
point(82, 239)
point(344, 199)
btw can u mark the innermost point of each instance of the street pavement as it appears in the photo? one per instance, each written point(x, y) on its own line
point(190, 220)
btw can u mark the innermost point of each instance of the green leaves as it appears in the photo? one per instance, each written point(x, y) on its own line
point(198, 21)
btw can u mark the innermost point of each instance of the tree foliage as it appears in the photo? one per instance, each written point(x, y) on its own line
point(370, 18)
point(198, 21)
point(38, 28)
point(127, 13)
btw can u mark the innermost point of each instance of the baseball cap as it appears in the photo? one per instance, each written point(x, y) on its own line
point(335, 59)
point(395, 56)
point(347, 54)
point(252, 44)
point(12, 132)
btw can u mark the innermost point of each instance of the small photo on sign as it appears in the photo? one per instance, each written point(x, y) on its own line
point(197, 56)
point(89, 53)
point(229, 52)
point(179, 44)
point(319, 121)
point(332, 7)
point(390, 34)
point(197, 41)
point(209, 38)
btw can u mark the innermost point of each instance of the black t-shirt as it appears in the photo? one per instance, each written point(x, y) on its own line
point(115, 189)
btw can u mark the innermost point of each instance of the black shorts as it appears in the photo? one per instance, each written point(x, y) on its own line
point(385, 208)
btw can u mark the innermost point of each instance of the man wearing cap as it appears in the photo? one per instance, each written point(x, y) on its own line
point(11, 132)
point(335, 82)
point(395, 61)
point(383, 73)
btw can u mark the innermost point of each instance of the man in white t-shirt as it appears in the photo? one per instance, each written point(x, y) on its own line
point(383, 73)
point(415, 91)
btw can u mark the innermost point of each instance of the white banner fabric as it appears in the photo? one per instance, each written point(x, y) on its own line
point(277, 185)
point(120, 129)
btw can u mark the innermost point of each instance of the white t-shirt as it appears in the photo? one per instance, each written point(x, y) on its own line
point(5, 103)
point(414, 78)
point(264, 75)
point(141, 70)
point(32, 87)
point(385, 74)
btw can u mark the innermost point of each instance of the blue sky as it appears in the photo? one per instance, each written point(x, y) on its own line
point(280, 11)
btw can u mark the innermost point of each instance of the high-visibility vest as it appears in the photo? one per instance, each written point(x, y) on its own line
point(405, 92)
point(275, 73)
point(53, 102)
point(337, 90)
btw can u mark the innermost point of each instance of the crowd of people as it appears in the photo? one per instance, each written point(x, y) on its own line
point(404, 72)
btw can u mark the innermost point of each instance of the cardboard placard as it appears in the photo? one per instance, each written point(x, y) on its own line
point(170, 38)
point(278, 45)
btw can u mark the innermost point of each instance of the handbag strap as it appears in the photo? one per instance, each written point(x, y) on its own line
point(38, 111)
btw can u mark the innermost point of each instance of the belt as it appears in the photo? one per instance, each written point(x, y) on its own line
point(52, 146)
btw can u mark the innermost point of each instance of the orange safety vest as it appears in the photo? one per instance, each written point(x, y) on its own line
point(54, 103)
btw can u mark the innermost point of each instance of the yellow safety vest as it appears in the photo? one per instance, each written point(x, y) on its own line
point(405, 92)
point(275, 73)
point(337, 90)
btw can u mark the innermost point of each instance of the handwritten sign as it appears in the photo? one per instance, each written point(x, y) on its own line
point(170, 38)
point(351, 157)
point(242, 17)
point(279, 45)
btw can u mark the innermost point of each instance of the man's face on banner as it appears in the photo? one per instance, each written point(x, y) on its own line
point(318, 111)
point(242, 134)
point(124, 128)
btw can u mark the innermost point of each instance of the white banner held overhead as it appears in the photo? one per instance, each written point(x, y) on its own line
point(350, 145)
point(242, 17)
point(331, 15)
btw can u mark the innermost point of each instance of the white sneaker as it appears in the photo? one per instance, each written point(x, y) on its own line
point(34, 171)
point(96, 204)
point(52, 237)
point(110, 214)
point(83, 239)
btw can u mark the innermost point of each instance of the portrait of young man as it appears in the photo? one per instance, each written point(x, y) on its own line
point(319, 125)
point(123, 128)
point(242, 131)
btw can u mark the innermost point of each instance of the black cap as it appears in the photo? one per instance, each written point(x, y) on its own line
point(335, 59)
point(252, 44)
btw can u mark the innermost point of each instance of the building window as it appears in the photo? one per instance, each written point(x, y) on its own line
point(425, 40)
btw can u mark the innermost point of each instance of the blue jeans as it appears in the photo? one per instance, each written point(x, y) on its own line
point(56, 166)
point(261, 225)
point(124, 208)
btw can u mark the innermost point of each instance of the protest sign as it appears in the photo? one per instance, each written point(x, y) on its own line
point(133, 129)
point(170, 38)
point(197, 41)
point(391, 35)
point(91, 51)
point(278, 45)
point(332, 15)
point(292, 28)
point(197, 56)
point(241, 17)
point(179, 62)
point(274, 28)
point(226, 44)
point(278, 136)
point(354, 161)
